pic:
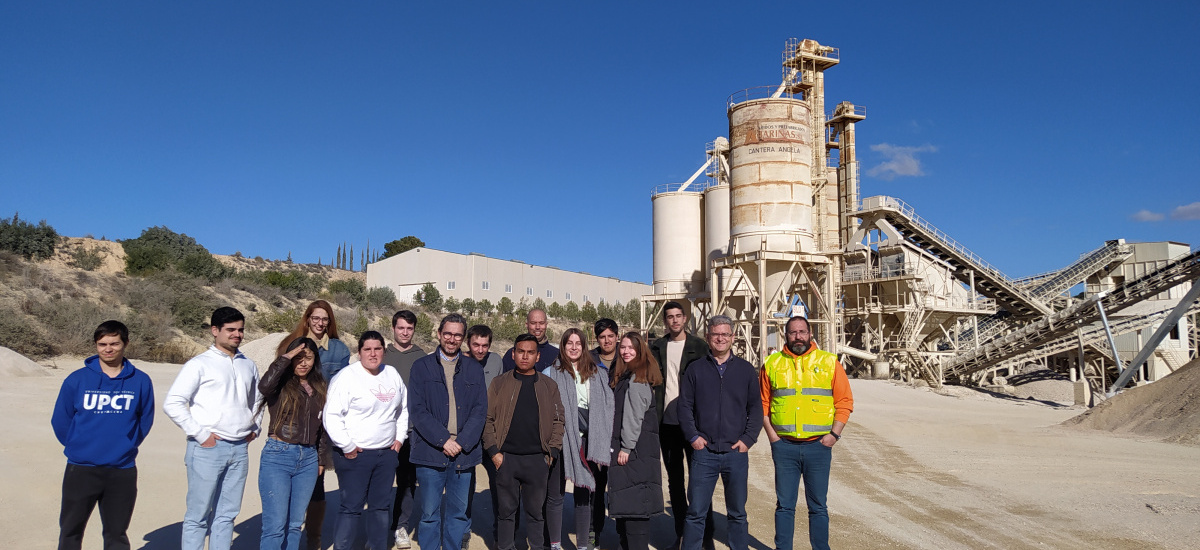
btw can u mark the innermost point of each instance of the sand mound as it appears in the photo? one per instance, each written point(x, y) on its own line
point(262, 351)
point(1043, 385)
point(15, 364)
point(1168, 409)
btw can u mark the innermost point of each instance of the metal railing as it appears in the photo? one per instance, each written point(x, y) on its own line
point(858, 110)
point(977, 262)
point(758, 92)
point(695, 187)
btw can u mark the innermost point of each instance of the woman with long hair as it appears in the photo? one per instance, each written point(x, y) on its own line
point(366, 416)
point(635, 476)
point(293, 390)
point(587, 434)
point(319, 325)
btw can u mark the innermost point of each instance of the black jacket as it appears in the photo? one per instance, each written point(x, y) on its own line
point(635, 489)
point(721, 409)
point(694, 348)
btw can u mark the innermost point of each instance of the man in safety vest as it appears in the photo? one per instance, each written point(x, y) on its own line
point(806, 403)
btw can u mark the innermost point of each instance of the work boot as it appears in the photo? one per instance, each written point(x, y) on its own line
point(314, 520)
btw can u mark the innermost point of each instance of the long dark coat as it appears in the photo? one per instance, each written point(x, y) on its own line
point(635, 489)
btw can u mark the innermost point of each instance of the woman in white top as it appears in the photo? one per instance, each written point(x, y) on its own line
point(366, 417)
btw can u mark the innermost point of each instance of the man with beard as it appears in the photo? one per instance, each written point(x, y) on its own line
point(806, 403)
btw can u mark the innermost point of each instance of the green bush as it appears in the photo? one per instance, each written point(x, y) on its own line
point(453, 305)
point(157, 249)
point(279, 320)
point(87, 259)
point(355, 288)
point(505, 306)
point(380, 298)
point(293, 283)
point(204, 266)
point(485, 307)
point(429, 298)
point(32, 242)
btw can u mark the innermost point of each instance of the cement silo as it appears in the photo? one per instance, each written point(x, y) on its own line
point(678, 245)
point(770, 176)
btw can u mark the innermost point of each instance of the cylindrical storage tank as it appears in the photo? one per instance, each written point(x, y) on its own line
point(770, 176)
point(678, 246)
point(716, 223)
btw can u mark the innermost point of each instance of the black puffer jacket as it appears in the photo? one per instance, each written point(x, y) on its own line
point(635, 489)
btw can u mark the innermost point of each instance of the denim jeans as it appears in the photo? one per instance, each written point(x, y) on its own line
point(442, 494)
point(216, 478)
point(808, 460)
point(365, 480)
point(287, 474)
point(734, 469)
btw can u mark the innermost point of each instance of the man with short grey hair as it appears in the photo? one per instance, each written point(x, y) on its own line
point(720, 414)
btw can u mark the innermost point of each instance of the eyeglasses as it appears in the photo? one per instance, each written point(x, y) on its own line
point(452, 335)
point(721, 334)
point(319, 320)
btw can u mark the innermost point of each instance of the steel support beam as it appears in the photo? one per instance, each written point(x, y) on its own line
point(1157, 338)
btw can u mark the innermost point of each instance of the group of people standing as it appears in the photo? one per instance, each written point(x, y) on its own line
point(400, 426)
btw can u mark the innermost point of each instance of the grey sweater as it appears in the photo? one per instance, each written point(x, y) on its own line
point(638, 400)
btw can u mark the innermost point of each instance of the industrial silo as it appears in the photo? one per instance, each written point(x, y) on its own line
point(770, 176)
point(678, 245)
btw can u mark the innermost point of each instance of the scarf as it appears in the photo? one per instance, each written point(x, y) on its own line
point(600, 425)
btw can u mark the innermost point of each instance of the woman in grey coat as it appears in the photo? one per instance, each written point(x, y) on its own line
point(635, 478)
point(588, 402)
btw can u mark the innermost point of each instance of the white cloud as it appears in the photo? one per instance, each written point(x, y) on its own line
point(1146, 216)
point(901, 161)
point(1186, 212)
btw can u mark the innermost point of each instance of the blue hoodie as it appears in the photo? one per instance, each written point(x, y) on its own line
point(100, 420)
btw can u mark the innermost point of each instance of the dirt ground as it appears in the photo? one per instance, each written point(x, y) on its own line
point(915, 470)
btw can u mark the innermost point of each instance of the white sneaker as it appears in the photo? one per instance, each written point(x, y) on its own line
point(402, 542)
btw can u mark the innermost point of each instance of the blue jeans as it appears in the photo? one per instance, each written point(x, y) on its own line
point(794, 461)
point(365, 480)
point(442, 492)
point(216, 478)
point(734, 469)
point(287, 474)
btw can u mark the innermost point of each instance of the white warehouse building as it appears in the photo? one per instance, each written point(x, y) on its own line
point(479, 277)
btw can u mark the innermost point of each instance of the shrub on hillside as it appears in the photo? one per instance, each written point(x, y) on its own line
point(293, 283)
point(280, 320)
point(20, 334)
point(157, 249)
point(72, 321)
point(86, 258)
point(380, 298)
point(429, 298)
point(32, 242)
point(182, 299)
point(353, 288)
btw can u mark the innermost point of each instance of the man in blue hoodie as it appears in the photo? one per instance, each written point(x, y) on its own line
point(103, 413)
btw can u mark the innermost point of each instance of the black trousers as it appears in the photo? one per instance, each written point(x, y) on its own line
point(634, 533)
point(406, 490)
point(598, 510)
point(115, 489)
point(521, 479)
point(676, 451)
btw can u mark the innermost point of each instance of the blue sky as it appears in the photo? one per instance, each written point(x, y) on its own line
point(1029, 131)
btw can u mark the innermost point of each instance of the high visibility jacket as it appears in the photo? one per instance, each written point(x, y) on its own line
point(801, 393)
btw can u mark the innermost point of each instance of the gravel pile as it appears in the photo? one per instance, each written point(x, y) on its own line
point(1043, 385)
point(262, 351)
point(1168, 409)
point(15, 364)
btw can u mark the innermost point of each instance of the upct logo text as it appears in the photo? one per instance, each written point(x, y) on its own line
point(94, 401)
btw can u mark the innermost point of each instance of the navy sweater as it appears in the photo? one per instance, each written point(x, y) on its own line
point(723, 409)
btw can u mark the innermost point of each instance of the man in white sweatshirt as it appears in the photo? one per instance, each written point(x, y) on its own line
point(213, 400)
point(366, 417)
